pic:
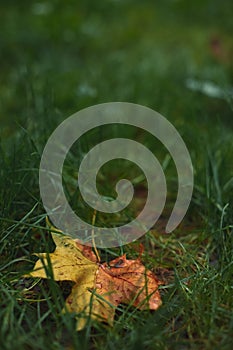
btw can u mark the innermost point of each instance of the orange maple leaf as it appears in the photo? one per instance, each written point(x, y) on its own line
point(99, 288)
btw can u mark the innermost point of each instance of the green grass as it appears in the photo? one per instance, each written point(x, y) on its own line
point(57, 59)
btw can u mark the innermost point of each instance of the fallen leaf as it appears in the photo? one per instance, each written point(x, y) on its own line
point(98, 288)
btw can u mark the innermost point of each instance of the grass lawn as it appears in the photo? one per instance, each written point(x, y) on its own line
point(173, 56)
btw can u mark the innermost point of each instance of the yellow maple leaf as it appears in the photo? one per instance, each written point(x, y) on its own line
point(69, 264)
point(98, 288)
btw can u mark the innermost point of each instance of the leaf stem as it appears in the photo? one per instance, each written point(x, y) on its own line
point(92, 236)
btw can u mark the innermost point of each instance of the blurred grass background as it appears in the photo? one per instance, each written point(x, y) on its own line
point(173, 56)
point(58, 58)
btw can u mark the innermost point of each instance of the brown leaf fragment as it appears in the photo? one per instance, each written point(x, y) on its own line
point(86, 251)
point(128, 281)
